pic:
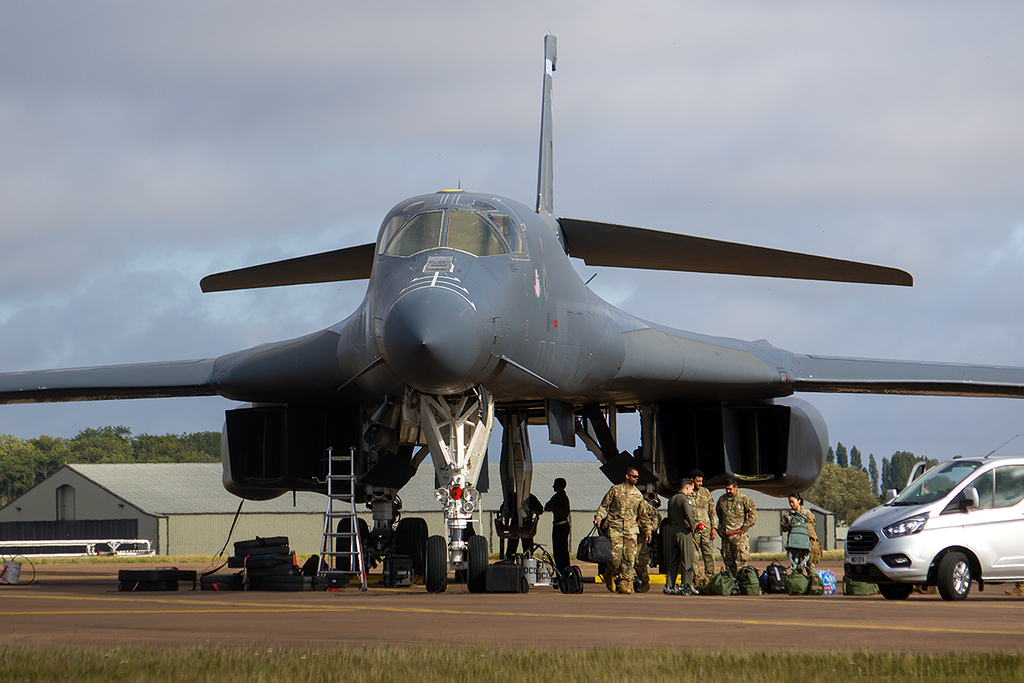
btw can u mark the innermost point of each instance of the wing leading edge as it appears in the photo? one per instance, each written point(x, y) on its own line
point(352, 263)
point(142, 380)
point(606, 244)
point(867, 376)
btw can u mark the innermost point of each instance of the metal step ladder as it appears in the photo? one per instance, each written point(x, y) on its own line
point(341, 505)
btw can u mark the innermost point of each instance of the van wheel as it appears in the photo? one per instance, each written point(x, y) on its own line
point(895, 591)
point(954, 577)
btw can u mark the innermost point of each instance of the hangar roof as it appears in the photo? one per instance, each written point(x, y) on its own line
point(196, 488)
point(185, 489)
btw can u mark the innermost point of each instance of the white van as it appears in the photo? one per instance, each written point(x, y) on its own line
point(961, 521)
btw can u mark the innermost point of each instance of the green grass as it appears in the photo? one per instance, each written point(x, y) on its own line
point(462, 664)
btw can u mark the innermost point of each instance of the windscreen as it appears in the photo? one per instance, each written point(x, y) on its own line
point(936, 483)
point(421, 232)
point(471, 232)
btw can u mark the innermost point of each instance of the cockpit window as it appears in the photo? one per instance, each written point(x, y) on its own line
point(480, 234)
point(511, 232)
point(472, 233)
point(422, 232)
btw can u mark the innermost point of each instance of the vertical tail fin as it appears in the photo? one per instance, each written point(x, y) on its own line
point(545, 174)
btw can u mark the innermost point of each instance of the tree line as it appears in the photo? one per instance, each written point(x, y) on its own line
point(25, 463)
point(849, 488)
point(846, 486)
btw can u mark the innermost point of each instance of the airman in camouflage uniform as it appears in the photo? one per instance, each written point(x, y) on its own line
point(704, 513)
point(736, 515)
point(642, 582)
point(799, 523)
point(623, 520)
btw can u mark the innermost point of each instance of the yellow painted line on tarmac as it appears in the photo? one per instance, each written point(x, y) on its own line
point(261, 608)
point(695, 620)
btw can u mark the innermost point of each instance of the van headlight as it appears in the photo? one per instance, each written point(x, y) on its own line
point(911, 525)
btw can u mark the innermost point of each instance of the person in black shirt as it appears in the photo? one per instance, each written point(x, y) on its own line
point(558, 506)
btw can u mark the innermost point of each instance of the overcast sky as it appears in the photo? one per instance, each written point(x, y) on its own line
point(145, 145)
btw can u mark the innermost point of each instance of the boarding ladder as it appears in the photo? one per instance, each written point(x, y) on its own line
point(341, 563)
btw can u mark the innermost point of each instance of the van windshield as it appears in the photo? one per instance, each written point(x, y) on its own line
point(936, 483)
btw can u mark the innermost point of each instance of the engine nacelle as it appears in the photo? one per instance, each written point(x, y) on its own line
point(267, 451)
point(775, 448)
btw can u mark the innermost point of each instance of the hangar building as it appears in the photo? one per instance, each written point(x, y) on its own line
point(183, 509)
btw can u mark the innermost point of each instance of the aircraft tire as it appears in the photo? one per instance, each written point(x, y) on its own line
point(147, 575)
point(276, 570)
point(283, 583)
point(411, 541)
point(575, 580)
point(258, 561)
point(664, 540)
point(895, 591)
point(436, 576)
point(953, 577)
point(342, 545)
point(268, 550)
point(221, 582)
point(476, 579)
point(259, 546)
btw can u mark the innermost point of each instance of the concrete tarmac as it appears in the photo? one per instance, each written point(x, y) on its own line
point(80, 605)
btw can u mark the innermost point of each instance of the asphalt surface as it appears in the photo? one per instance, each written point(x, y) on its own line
point(80, 605)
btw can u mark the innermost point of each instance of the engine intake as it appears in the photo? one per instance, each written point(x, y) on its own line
point(267, 451)
point(775, 448)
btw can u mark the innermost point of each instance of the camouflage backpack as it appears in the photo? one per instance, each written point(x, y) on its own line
point(815, 584)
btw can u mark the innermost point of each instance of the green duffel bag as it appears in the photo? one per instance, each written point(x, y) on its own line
point(797, 583)
point(854, 587)
point(748, 581)
point(722, 583)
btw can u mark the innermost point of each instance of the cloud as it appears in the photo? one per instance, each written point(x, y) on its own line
point(144, 146)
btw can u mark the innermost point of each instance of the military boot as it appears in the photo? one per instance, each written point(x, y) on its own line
point(609, 581)
point(644, 587)
point(1016, 590)
point(625, 588)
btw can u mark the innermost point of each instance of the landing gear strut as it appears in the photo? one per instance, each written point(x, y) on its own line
point(457, 429)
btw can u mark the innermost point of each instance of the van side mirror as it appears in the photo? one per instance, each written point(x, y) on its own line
point(969, 498)
point(890, 494)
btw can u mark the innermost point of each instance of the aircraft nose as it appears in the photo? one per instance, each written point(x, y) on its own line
point(432, 338)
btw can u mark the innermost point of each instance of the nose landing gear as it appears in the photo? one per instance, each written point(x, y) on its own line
point(457, 429)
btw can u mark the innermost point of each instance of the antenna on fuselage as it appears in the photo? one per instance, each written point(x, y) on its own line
point(545, 174)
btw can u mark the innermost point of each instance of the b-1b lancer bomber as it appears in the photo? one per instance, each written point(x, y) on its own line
point(474, 314)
